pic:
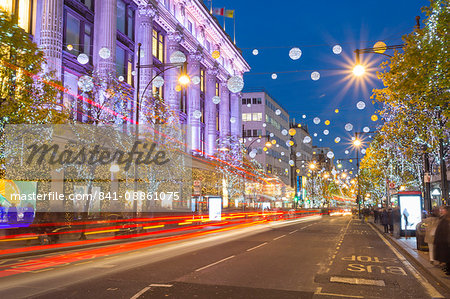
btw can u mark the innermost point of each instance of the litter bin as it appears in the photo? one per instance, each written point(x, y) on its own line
point(420, 237)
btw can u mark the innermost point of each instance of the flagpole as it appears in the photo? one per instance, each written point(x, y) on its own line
point(224, 9)
point(234, 26)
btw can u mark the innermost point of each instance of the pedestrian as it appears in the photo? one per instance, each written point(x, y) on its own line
point(391, 221)
point(366, 215)
point(405, 216)
point(441, 239)
point(385, 220)
point(375, 215)
point(430, 229)
point(397, 217)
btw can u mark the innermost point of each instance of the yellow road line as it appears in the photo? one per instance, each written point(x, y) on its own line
point(154, 226)
point(18, 239)
point(102, 231)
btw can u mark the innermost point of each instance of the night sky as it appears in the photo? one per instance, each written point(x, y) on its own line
point(315, 27)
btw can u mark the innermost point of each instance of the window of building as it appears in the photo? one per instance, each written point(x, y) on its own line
point(255, 133)
point(202, 108)
point(158, 91)
point(87, 3)
point(124, 64)
point(244, 101)
point(190, 26)
point(125, 19)
point(183, 100)
point(258, 101)
point(217, 108)
point(249, 133)
point(202, 80)
point(257, 116)
point(24, 10)
point(158, 45)
point(78, 33)
point(72, 34)
point(246, 116)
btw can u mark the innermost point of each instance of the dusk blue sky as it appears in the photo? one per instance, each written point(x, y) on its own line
point(274, 27)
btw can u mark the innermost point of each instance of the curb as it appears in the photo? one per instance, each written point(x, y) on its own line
point(442, 283)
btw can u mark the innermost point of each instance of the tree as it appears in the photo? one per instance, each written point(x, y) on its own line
point(27, 95)
point(415, 101)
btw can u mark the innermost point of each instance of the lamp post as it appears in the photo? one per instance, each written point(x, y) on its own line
point(252, 155)
point(183, 80)
point(357, 144)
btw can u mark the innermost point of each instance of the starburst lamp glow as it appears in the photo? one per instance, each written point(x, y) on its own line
point(357, 142)
point(184, 80)
point(359, 70)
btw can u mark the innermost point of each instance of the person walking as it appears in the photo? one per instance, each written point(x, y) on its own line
point(375, 215)
point(431, 223)
point(391, 221)
point(385, 220)
point(441, 239)
point(397, 222)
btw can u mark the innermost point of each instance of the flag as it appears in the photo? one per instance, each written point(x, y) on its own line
point(218, 11)
point(229, 13)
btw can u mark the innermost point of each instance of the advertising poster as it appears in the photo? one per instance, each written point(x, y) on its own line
point(215, 208)
point(410, 210)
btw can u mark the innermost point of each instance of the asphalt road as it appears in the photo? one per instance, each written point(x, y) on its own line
point(328, 257)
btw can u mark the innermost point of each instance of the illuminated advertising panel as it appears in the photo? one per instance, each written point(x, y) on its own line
point(410, 210)
point(215, 208)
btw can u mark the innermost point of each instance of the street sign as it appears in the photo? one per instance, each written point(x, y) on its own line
point(197, 188)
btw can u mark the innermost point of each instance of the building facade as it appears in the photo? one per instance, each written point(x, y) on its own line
point(321, 158)
point(263, 121)
point(101, 38)
point(302, 147)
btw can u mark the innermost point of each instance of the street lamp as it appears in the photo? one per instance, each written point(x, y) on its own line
point(359, 70)
point(184, 79)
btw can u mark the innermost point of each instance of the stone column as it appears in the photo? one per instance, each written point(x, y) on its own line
point(236, 127)
point(171, 96)
point(224, 111)
point(144, 35)
point(210, 108)
point(105, 32)
point(193, 102)
point(51, 38)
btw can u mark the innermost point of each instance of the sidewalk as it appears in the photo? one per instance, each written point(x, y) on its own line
point(408, 247)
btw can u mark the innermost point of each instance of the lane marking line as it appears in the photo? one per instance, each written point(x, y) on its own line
point(306, 226)
point(352, 280)
point(210, 265)
point(104, 266)
point(250, 249)
point(279, 237)
point(293, 231)
point(423, 281)
point(319, 292)
point(161, 285)
point(140, 293)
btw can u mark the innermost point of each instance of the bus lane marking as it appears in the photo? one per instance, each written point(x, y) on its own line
point(352, 280)
point(422, 280)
